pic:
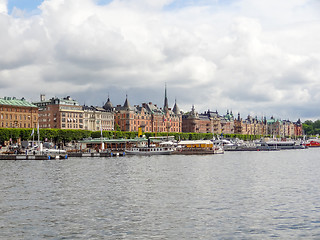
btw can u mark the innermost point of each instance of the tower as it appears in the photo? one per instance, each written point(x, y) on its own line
point(166, 105)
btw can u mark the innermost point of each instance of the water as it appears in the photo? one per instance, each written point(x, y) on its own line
point(238, 195)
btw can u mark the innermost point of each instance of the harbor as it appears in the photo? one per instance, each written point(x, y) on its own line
point(103, 148)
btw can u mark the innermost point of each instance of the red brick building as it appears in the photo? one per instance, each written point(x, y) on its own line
point(149, 117)
point(61, 113)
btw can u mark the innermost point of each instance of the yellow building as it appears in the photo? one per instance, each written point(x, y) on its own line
point(17, 113)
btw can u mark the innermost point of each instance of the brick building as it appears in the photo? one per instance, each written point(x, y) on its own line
point(149, 117)
point(207, 122)
point(61, 113)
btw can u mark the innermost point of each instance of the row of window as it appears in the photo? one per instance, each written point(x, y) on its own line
point(17, 109)
point(71, 126)
point(72, 115)
point(72, 120)
point(102, 116)
point(16, 125)
point(17, 116)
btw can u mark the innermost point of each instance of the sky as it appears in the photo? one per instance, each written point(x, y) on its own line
point(258, 58)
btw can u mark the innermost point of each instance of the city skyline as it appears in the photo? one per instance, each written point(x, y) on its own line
point(254, 58)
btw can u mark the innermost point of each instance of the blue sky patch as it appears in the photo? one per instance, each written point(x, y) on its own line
point(26, 5)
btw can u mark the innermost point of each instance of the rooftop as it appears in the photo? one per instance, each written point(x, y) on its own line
point(12, 101)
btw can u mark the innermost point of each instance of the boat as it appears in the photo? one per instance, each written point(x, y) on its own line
point(152, 150)
point(279, 145)
point(312, 143)
point(198, 147)
point(49, 152)
point(143, 148)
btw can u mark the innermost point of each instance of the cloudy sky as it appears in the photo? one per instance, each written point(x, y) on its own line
point(253, 57)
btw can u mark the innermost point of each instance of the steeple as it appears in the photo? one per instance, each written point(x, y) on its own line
point(166, 105)
point(126, 103)
point(176, 109)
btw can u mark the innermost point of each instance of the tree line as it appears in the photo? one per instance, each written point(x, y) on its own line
point(66, 135)
point(311, 128)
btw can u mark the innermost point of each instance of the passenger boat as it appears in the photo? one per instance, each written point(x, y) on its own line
point(279, 145)
point(149, 150)
point(198, 147)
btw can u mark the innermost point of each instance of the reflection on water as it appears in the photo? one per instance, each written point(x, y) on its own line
point(238, 195)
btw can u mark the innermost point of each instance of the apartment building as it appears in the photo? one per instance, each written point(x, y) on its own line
point(60, 113)
point(17, 113)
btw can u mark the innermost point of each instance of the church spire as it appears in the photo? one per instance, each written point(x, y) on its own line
point(166, 105)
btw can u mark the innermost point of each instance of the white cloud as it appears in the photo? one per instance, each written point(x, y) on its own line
point(248, 56)
point(3, 6)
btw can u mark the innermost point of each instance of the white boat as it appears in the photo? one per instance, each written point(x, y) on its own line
point(53, 153)
point(274, 144)
point(149, 151)
point(218, 149)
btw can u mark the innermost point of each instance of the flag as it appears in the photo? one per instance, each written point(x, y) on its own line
point(32, 132)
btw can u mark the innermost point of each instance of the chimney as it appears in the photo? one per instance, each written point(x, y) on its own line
point(42, 97)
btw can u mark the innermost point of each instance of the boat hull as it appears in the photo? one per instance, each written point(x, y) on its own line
point(312, 144)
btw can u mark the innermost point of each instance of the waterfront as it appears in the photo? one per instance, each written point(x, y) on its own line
point(236, 195)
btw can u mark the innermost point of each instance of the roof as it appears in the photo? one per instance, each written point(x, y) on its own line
point(176, 109)
point(188, 142)
point(55, 101)
point(106, 140)
point(108, 106)
point(121, 140)
point(16, 102)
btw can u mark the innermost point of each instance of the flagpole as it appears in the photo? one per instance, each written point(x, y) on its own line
point(38, 135)
point(101, 135)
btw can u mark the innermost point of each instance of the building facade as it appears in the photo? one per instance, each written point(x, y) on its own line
point(207, 122)
point(250, 126)
point(17, 113)
point(97, 118)
point(60, 113)
point(148, 116)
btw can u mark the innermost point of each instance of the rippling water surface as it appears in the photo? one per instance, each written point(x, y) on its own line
point(238, 195)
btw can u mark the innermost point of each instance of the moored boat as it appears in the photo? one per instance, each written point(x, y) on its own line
point(313, 143)
point(279, 145)
point(149, 151)
point(198, 147)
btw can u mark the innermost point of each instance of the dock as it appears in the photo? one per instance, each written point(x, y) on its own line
point(29, 157)
point(95, 154)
